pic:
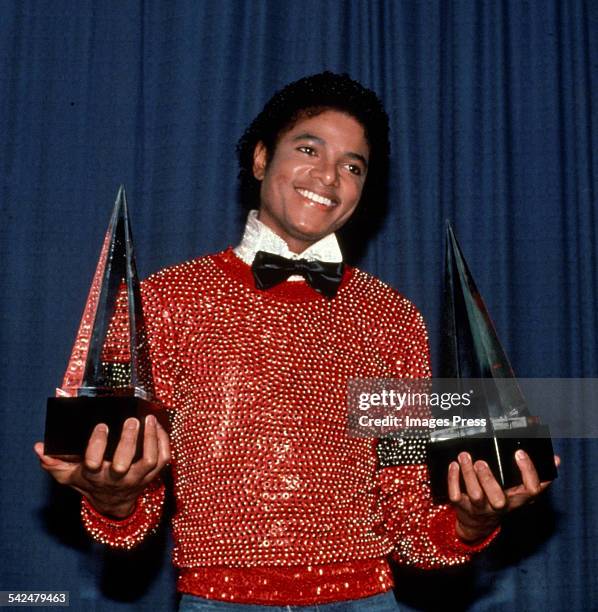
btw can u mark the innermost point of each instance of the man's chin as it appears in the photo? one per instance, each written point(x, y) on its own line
point(313, 232)
point(312, 236)
point(300, 241)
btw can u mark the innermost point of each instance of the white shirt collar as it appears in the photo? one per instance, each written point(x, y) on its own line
point(259, 237)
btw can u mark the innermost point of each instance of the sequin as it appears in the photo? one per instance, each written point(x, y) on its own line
point(130, 531)
point(267, 481)
point(295, 586)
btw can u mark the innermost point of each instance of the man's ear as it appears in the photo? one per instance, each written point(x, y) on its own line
point(260, 160)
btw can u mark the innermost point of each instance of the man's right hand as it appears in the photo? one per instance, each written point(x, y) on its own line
point(112, 487)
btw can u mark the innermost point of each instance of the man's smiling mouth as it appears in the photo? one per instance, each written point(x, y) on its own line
point(314, 197)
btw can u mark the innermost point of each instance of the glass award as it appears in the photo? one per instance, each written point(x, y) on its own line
point(497, 422)
point(109, 377)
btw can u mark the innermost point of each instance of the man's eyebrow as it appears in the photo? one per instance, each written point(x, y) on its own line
point(308, 136)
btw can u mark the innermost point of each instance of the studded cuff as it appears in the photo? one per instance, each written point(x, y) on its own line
point(424, 534)
point(445, 534)
point(130, 531)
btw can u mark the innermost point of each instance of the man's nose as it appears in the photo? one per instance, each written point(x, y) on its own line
point(326, 172)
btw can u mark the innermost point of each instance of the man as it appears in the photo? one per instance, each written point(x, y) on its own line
point(252, 349)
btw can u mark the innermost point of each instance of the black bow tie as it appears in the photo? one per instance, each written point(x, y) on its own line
point(269, 270)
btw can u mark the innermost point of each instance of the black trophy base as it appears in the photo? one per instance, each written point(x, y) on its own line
point(534, 440)
point(70, 421)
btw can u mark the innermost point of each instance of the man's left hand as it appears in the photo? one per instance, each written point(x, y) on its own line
point(480, 508)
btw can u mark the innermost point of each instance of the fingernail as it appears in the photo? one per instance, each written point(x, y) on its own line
point(453, 466)
point(464, 458)
point(480, 466)
point(102, 428)
point(520, 455)
point(131, 424)
point(150, 419)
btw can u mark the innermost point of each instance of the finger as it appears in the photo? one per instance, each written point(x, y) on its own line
point(45, 460)
point(454, 487)
point(557, 460)
point(96, 447)
point(531, 482)
point(125, 451)
point(492, 489)
point(472, 486)
point(61, 471)
point(54, 467)
point(163, 455)
point(163, 447)
point(150, 446)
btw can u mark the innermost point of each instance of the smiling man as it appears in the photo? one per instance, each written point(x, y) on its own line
point(252, 351)
point(313, 182)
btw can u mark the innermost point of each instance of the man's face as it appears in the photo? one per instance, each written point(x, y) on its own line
point(313, 182)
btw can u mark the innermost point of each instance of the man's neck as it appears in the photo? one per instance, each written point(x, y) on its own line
point(259, 237)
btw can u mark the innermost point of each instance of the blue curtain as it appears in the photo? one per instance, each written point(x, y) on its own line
point(494, 114)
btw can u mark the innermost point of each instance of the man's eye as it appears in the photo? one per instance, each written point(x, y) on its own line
point(307, 150)
point(353, 169)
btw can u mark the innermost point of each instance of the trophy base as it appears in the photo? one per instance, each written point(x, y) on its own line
point(70, 421)
point(498, 452)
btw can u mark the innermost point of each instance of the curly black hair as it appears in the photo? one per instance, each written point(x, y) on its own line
point(311, 96)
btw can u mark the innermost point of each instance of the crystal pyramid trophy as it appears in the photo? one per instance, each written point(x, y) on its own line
point(109, 376)
point(473, 360)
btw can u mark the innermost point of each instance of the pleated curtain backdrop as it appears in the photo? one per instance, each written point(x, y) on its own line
point(494, 116)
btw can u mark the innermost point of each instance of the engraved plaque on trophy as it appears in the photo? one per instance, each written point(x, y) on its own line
point(108, 377)
point(472, 355)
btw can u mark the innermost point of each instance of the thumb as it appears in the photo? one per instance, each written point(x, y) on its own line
point(46, 460)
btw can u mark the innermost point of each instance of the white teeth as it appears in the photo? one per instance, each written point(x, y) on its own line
point(310, 195)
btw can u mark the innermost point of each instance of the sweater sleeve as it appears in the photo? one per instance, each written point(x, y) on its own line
point(144, 520)
point(423, 534)
point(128, 532)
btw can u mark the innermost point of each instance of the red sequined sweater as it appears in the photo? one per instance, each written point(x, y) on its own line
point(275, 503)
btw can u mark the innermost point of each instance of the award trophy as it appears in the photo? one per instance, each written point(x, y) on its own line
point(109, 377)
point(472, 351)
